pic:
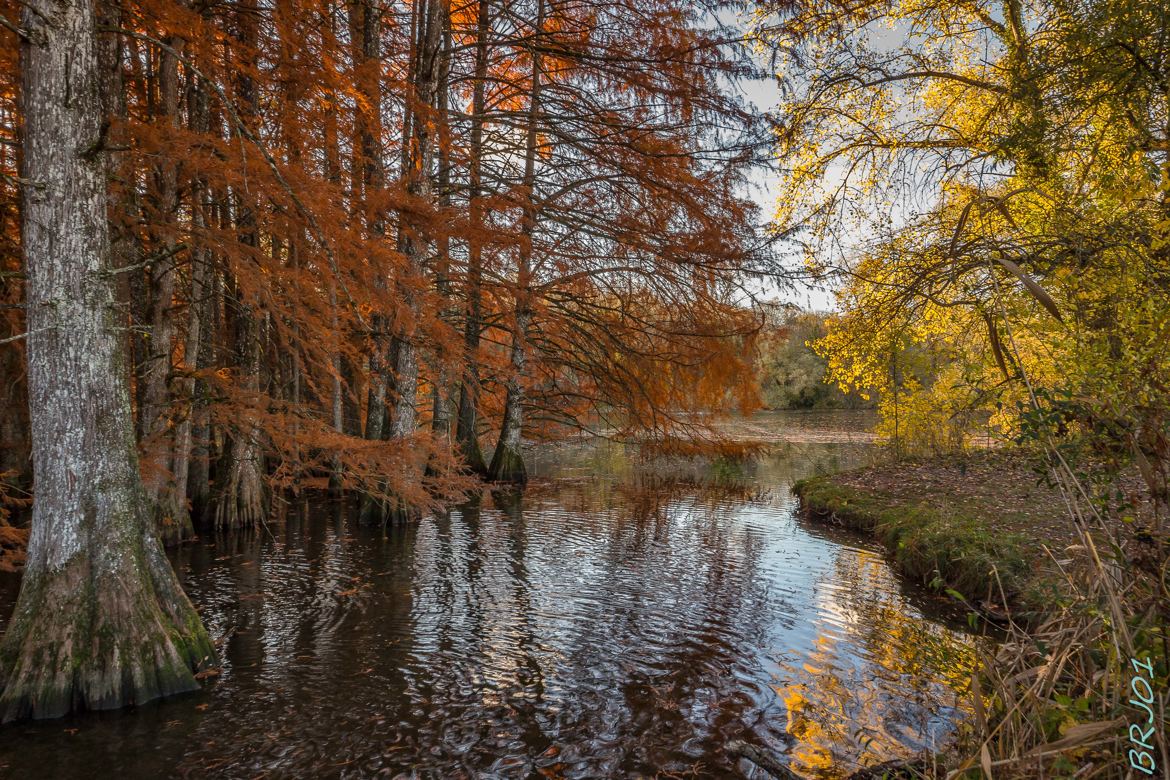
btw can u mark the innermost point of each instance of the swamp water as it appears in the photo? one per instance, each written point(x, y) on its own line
point(609, 622)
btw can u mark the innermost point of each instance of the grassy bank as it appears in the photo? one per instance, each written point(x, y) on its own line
point(1052, 697)
point(981, 526)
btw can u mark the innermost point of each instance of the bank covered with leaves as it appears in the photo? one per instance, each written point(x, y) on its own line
point(989, 183)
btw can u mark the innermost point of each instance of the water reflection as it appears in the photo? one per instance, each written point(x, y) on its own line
point(591, 627)
point(875, 682)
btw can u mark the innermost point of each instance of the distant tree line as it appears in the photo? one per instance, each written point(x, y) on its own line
point(789, 371)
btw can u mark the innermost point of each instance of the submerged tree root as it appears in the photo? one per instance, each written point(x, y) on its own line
point(375, 511)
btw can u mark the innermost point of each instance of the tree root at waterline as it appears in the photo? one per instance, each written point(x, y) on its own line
point(100, 634)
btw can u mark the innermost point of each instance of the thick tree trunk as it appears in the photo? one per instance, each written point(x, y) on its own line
point(101, 620)
point(242, 500)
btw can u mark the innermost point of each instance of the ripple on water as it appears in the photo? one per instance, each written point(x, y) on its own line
point(586, 630)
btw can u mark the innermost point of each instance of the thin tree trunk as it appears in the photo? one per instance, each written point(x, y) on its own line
point(365, 33)
point(202, 432)
point(185, 429)
point(242, 500)
point(101, 620)
point(169, 504)
point(441, 396)
point(411, 239)
point(15, 463)
point(508, 461)
point(337, 389)
point(369, 180)
point(466, 426)
point(198, 119)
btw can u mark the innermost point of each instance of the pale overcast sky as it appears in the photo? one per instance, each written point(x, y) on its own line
point(764, 94)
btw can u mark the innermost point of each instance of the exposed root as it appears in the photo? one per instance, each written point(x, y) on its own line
point(508, 466)
point(242, 502)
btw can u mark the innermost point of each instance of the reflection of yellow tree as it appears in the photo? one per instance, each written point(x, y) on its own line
point(816, 728)
point(877, 675)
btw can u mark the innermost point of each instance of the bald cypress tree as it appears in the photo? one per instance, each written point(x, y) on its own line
point(101, 620)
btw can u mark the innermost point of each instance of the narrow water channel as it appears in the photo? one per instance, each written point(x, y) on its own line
point(610, 622)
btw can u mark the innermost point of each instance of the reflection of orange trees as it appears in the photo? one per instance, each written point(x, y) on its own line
point(876, 675)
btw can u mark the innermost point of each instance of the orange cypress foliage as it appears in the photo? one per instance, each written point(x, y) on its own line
point(308, 228)
point(15, 473)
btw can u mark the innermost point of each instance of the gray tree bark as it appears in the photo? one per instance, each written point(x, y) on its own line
point(241, 499)
point(441, 396)
point(198, 119)
point(101, 620)
point(508, 461)
point(412, 241)
point(168, 498)
point(466, 425)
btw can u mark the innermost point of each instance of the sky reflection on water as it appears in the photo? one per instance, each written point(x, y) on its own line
point(604, 624)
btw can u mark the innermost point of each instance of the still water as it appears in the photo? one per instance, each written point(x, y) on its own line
point(619, 619)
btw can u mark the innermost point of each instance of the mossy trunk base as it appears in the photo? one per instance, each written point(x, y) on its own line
point(101, 620)
point(88, 637)
point(508, 466)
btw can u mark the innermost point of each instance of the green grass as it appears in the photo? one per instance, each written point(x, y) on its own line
point(951, 548)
